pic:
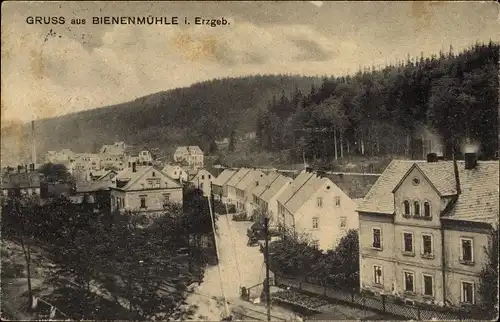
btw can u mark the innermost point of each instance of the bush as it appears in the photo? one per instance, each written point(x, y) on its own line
point(337, 267)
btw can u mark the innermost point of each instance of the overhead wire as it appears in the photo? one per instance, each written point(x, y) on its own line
point(233, 246)
point(218, 258)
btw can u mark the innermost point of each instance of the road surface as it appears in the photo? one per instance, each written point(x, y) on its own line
point(240, 265)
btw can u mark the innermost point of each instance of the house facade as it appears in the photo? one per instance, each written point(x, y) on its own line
point(244, 196)
point(314, 206)
point(87, 161)
point(176, 172)
point(191, 155)
point(267, 199)
point(144, 190)
point(203, 180)
point(233, 196)
point(423, 226)
point(26, 182)
point(61, 157)
point(219, 185)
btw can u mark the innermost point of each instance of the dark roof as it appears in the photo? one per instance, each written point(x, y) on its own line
point(21, 180)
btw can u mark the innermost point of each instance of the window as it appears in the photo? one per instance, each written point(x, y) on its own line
point(427, 209)
point(406, 206)
point(343, 221)
point(467, 294)
point(409, 281)
point(202, 177)
point(319, 202)
point(426, 244)
point(315, 244)
point(337, 201)
point(377, 236)
point(143, 201)
point(209, 176)
point(427, 285)
point(408, 242)
point(416, 208)
point(201, 185)
point(315, 223)
point(153, 174)
point(466, 255)
point(377, 275)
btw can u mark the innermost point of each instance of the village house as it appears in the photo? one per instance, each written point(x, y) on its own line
point(192, 156)
point(232, 197)
point(117, 148)
point(147, 190)
point(140, 155)
point(26, 181)
point(203, 180)
point(65, 156)
point(219, 185)
point(86, 161)
point(244, 189)
point(314, 206)
point(423, 229)
point(176, 172)
point(265, 195)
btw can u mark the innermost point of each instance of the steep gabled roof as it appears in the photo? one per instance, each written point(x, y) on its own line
point(142, 172)
point(264, 184)
point(274, 187)
point(305, 193)
point(380, 198)
point(249, 179)
point(292, 188)
point(479, 197)
point(440, 175)
point(478, 200)
point(237, 177)
point(224, 177)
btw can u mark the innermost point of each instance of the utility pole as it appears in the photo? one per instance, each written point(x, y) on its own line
point(266, 254)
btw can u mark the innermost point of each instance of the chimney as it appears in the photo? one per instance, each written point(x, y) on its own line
point(320, 174)
point(470, 161)
point(26, 168)
point(32, 167)
point(432, 157)
point(19, 167)
point(134, 169)
point(33, 151)
point(308, 169)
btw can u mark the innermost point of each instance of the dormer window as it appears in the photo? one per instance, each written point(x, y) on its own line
point(406, 206)
point(416, 208)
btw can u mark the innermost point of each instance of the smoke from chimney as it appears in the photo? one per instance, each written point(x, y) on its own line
point(434, 143)
point(470, 147)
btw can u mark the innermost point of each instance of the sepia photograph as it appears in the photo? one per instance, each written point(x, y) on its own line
point(249, 160)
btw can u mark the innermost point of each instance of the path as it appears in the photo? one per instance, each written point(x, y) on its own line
point(240, 265)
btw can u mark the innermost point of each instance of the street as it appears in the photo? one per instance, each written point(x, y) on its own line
point(240, 265)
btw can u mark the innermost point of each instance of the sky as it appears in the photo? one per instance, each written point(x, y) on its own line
point(50, 70)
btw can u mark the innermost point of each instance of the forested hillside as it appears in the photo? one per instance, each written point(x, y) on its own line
point(198, 114)
point(379, 112)
point(374, 112)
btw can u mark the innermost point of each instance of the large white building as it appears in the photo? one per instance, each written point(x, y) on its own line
point(191, 156)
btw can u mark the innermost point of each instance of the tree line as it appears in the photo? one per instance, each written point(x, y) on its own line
point(128, 255)
point(383, 112)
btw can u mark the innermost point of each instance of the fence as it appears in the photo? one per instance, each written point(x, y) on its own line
point(381, 304)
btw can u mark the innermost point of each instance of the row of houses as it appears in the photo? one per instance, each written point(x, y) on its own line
point(118, 156)
point(424, 226)
point(310, 205)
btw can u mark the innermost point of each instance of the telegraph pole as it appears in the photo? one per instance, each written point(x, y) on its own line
point(266, 254)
